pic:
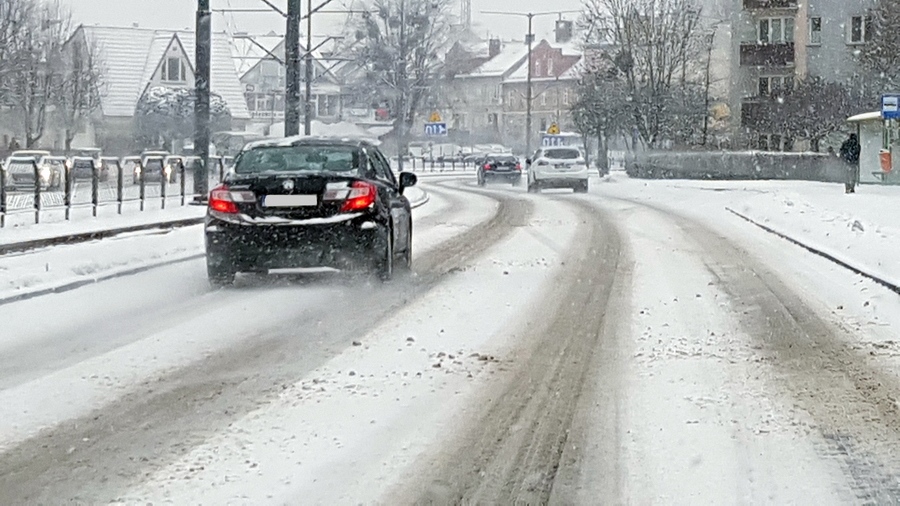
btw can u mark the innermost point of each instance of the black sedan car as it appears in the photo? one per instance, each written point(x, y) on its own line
point(503, 167)
point(312, 202)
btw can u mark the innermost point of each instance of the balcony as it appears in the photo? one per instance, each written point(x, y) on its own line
point(752, 5)
point(767, 55)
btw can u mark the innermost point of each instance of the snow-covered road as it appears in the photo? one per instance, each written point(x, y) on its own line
point(636, 345)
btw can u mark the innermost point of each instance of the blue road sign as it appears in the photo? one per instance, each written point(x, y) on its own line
point(436, 129)
point(550, 140)
point(890, 106)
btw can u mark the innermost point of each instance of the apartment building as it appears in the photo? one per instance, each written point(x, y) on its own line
point(776, 43)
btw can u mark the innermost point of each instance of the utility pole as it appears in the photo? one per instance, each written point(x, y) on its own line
point(292, 74)
point(528, 92)
point(307, 108)
point(403, 146)
point(201, 107)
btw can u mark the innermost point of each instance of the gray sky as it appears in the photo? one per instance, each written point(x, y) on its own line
point(174, 14)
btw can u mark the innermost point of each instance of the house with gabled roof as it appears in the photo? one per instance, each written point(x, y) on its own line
point(134, 60)
point(471, 97)
point(487, 101)
point(263, 86)
point(555, 71)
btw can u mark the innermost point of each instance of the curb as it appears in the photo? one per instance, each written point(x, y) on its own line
point(422, 202)
point(18, 247)
point(72, 285)
point(856, 270)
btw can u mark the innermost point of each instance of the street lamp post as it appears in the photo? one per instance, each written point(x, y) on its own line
point(292, 74)
point(529, 40)
point(307, 108)
point(201, 107)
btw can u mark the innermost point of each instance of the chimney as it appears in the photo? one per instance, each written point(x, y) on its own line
point(493, 47)
point(563, 31)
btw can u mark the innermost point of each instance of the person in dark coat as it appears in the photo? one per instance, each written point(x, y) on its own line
point(850, 154)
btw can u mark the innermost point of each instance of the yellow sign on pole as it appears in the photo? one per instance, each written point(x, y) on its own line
point(435, 117)
point(553, 130)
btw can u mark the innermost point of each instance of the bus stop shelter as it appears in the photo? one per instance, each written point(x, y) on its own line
point(879, 142)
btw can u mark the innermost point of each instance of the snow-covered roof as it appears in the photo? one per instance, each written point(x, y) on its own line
point(130, 56)
point(510, 57)
point(279, 51)
point(572, 72)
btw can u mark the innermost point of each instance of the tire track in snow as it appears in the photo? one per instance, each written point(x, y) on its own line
point(512, 451)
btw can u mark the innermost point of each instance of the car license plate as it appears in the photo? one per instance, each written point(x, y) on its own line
point(290, 200)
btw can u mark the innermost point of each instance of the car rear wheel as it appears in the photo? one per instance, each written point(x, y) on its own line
point(405, 264)
point(220, 271)
point(384, 261)
point(581, 187)
point(533, 188)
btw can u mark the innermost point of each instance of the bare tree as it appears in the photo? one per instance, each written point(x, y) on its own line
point(659, 44)
point(36, 62)
point(78, 91)
point(399, 44)
point(601, 109)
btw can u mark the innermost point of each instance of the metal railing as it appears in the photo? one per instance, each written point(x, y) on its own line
point(107, 187)
point(430, 164)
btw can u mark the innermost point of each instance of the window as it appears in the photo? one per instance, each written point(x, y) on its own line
point(771, 85)
point(537, 68)
point(815, 31)
point(550, 67)
point(544, 97)
point(509, 98)
point(775, 31)
point(566, 96)
point(173, 70)
point(860, 29)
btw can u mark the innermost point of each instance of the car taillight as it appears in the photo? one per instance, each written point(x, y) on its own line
point(223, 200)
point(518, 166)
point(487, 166)
point(361, 196)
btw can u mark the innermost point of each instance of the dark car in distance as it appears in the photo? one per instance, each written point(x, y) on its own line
point(309, 202)
point(499, 167)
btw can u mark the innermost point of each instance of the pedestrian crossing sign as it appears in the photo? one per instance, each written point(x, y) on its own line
point(435, 117)
point(553, 130)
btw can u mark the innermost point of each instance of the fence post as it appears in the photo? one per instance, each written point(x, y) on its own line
point(120, 185)
point(2, 196)
point(37, 191)
point(181, 172)
point(163, 182)
point(67, 193)
point(95, 187)
point(142, 183)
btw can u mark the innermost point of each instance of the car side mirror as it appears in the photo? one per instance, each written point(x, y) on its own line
point(407, 179)
point(528, 161)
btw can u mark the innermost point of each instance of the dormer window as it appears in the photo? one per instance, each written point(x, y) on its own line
point(173, 70)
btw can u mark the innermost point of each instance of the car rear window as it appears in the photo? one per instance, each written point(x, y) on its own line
point(562, 154)
point(502, 159)
point(298, 159)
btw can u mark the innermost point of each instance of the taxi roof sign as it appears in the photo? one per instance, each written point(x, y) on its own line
point(553, 130)
point(434, 118)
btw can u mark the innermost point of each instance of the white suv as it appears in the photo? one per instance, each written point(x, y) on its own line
point(559, 167)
